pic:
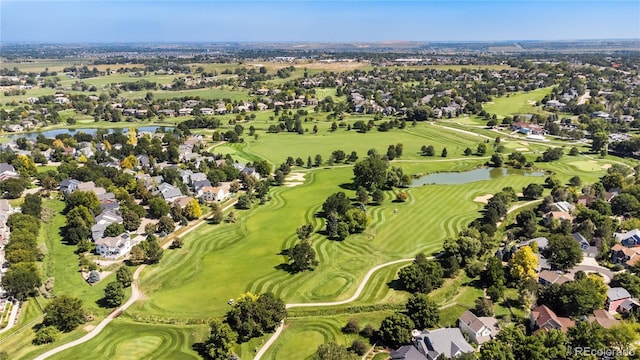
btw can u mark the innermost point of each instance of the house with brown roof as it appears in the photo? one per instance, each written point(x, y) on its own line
point(113, 247)
point(623, 255)
point(543, 318)
point(546, 277)
point(603, 318)
point(479, 329)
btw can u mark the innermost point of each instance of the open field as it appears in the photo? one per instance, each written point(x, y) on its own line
point(517, 103)
point(128, 340)
point(326, 141)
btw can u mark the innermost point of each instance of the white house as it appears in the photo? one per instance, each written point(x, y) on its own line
point(113, 247)
point(479, 329)
point(210, 193)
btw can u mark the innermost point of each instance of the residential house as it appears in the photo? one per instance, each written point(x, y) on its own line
point(7, 171)
point(558, 215)
point(199, 184)
point(114, 247)
point(563, 206)
point(586, 200)
point(543, 318)
point(185, 111)
point(67, 186)
point(185, 175)
point(479, 329)
point(628, 305)
point(624, 255)
point(103, 220)
point(207, 111)
point(603, 318)
point(210, 193)
point(615, 297)
point(14, 128)
point(448, 342)
point(195, 177)
point(546, 277)
point(585, 246)
point(91, 186)
point(143, 161)
point(182, 201)
point(628, 239)
point(169, 192)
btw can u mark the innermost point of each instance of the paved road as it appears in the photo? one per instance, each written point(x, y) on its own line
point(135, 296)
point(606, 273)
point(12, 317)
point(278, 331)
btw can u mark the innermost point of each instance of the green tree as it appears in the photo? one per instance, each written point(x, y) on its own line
point(114, 229)
point(468, 152)
point(244, 202)
point(22, 279)
point(219, 345)
point(563, 252)
point(378, 196)
point(87, 199)
point(32, 205)
point(422, 311)
point(395, 330)
point(599, 141)
point(166, 225)
point(363, 195)
point(532, 191)
point(64, 312)
point(370, 172)
point(356, 219)
point(124, 276)
point(130, 220)
point(158, 207)
point(332, 351)
point(113, 294)
point(46, 335)
point(422, 275)
point(481, 149)
point(444, 153)
point(302, 257)
point(251, 317)
point(12, 188)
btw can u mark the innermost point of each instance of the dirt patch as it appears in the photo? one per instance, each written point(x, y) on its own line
point(483, 199)
point(606, 166)
point(531, 102)
point(88, 327)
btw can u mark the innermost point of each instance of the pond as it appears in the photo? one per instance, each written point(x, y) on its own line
point(53, 132)
point(452, 178)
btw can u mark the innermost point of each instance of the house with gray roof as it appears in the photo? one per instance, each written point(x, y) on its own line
point(7, 171)
point(103, 220)
point(113, 247)
point(448, 342)
point(169, 192)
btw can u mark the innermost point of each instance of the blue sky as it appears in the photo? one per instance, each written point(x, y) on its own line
point(332, 21)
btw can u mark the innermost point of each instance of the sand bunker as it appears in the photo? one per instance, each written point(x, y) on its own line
point(522, 149)
point(294, 179)
point(483, 199)
point(606, 166)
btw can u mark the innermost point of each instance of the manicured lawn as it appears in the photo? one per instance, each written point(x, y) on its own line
point(128, 340)
point(325, 142)
point(61, 263)
point(302, 336)
point(521, 103)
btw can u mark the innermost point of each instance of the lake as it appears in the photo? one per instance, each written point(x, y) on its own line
point(452, 178)
point(52, 133)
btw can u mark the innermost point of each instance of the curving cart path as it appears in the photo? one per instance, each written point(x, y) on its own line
point(278, 331)
point(135, 296)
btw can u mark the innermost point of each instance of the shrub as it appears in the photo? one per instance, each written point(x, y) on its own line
point(45, 335)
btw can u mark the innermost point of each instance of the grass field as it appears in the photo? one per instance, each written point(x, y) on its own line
point(303, 335)
point(326, 141)
point(521, 103)
point(128, 340)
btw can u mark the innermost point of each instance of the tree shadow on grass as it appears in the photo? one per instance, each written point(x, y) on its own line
point(348, 186)
point(201, 349)
point(475, 283)
point(395, 285)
